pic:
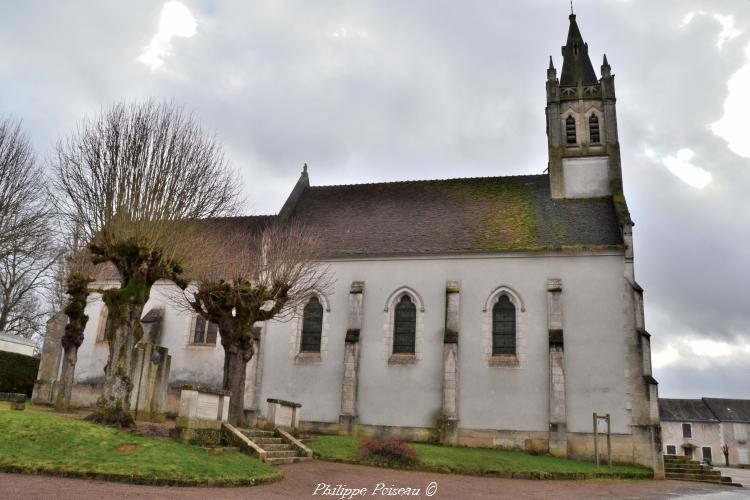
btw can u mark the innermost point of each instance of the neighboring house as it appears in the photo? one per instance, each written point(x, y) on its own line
point(699, 428)
point(19, 345)
point(508, 305)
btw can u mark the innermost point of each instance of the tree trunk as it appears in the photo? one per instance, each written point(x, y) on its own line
point(114, 405)
point(65, 389)
point(236, 358)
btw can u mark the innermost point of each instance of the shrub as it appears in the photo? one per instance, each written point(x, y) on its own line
point(17, 372)
point(389, 451)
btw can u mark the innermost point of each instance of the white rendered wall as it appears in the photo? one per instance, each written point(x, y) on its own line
point(489, 397)
point(586, 176)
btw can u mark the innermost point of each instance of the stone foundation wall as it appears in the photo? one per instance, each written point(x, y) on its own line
point(626, 448)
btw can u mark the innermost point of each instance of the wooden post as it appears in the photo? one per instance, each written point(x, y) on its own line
point(596, 441)
point(609, 441)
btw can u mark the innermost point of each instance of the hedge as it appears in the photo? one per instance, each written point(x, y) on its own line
point(17, 372)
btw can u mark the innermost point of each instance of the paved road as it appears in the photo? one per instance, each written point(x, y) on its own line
point(741, 476)
point(302, 479)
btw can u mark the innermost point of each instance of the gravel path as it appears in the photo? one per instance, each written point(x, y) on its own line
point(302, 479)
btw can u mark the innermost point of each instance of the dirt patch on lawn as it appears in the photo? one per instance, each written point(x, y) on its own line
point(124, 449)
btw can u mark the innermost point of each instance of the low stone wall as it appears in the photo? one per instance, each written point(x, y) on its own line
point(202, 412)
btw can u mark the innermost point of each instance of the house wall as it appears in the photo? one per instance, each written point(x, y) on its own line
point(703, 434)
point(736, 435)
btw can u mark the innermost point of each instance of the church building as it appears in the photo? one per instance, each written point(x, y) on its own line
point(502, 309)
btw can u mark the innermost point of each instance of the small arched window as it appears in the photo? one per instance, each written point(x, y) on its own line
point(570, 130)
point(503, 326)
point(312, 325)
point(405, 326)
point(594, 129)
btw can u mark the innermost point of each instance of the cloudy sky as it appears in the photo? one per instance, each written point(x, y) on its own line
point(369, 91)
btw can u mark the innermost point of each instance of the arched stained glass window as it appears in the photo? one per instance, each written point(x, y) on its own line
point(404, 326)
point(594, 129)
point(570, 130)
point(504, 326)
point(312, 325)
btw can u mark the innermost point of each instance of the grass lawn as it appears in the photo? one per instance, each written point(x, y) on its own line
point(32, 441)
point(479, 461)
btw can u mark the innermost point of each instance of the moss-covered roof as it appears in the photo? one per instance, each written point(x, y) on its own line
point(470, 215)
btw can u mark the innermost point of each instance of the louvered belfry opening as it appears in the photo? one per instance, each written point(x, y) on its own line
point(504, 326)
point(570, 130)
point(594, 129)
point(312, 326)
point(405, 326)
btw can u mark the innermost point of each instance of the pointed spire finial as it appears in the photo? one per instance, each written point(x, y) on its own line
point(606, 70)
point(304, 168)
point(571, 8)
point(551, 66)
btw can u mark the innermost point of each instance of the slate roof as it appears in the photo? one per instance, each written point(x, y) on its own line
point(441, 217)
point(452, 216)
point(730, 410)
point(685, 410)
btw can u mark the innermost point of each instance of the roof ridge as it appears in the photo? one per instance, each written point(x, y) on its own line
point(430, 180)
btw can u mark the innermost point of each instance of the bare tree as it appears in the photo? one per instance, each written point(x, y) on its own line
point(75, 271)
point(246, 274)
point(25, 272)
point(25, 238)
point(134, 179)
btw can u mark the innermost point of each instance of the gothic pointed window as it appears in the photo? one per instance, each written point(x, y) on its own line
point(594, 129)
point(405, 326)
point(570, 130)
point(204, 332)
point(312, 325)
point(503, 326)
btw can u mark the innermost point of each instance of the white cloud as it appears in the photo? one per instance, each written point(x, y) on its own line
point(699, 353)
point(665, 357)
point(344, 32)
point(175, 20)
point(728, 31)
point(710, 348)
point(680, 166)
point(732, 126)
point(688, 18)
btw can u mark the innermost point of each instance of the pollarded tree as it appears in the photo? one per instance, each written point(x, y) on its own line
point(134, 179)
point(247, 273)
point(75, 272)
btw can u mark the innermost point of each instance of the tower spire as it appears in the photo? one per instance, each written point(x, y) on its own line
point(576, 63)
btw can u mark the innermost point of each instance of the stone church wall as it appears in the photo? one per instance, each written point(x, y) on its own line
point(498, 404)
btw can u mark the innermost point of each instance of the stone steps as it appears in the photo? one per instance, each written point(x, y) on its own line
point(684, 469)
point(277, 450)
point(283, 461)
point(267, 441)
point(281, 453)
point(276, 446)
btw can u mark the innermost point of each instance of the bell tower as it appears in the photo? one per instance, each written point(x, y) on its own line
point(584, 150)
